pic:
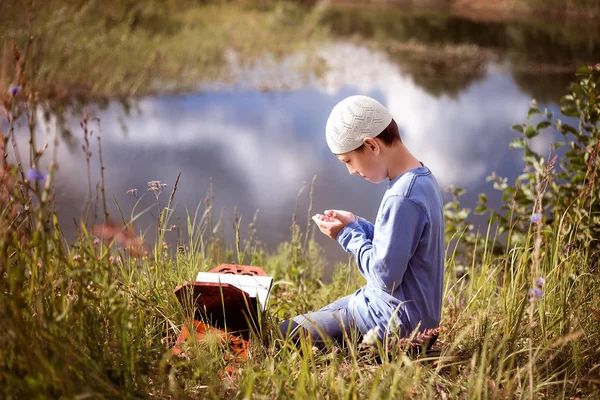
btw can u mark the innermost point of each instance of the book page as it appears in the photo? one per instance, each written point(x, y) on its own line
point(255, 286)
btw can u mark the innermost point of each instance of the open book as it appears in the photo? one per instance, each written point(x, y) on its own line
point(256, 286)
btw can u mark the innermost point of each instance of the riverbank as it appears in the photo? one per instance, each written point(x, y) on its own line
point(497, 10)
point(116, 50)
point(121, 51)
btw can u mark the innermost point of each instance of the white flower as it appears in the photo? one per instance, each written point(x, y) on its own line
point(371, 337)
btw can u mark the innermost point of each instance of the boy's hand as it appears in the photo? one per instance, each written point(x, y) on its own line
point(343, 216)
point(333, 221)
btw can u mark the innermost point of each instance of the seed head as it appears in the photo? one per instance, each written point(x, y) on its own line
point(156, 188)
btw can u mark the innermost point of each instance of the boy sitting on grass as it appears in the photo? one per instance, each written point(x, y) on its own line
point(401, 256)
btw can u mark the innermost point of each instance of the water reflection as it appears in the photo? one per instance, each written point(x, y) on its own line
point(429, 44)
point(259, 147)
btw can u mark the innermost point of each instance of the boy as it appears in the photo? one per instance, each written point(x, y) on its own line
point(401, 256)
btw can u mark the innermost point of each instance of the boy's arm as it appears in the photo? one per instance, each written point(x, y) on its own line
point(366, 226)
point(383, 260)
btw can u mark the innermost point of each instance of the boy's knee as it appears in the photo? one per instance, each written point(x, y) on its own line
point(289, 328)
point(294, 331)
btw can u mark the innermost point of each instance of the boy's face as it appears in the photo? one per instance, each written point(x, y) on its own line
point(366, 163)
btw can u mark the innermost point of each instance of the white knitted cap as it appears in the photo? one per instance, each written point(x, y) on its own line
point(354, 119)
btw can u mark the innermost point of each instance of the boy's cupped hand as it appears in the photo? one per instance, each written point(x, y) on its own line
point(333, 221)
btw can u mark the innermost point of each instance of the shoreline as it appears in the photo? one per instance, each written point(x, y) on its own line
point(482, 10)
point(436, 33)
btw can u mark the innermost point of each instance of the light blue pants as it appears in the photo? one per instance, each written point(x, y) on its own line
point(334, 322)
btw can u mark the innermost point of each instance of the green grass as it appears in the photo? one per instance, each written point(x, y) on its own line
point(92, 320)
point(88, 326)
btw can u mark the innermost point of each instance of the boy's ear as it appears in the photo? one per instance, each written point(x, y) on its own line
point(372, 144)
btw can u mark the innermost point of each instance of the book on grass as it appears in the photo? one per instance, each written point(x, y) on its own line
point(255, 286)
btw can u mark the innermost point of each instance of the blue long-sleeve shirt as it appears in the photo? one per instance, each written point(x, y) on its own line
point(401, 256)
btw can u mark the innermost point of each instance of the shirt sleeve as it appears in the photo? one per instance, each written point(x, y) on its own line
point(366, 226)
point(383, 260)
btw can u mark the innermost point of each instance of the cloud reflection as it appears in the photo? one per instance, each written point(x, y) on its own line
point(259, 147)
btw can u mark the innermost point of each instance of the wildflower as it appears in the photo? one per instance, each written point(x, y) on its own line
point(156, 188)
point(14, 90)
point(132, 192)
point(76, 257)
point(536, 218)
point(540, 282)
point(165, 245)
point(96, 241)
point(371, 337)
point(535, 294)
point(36, 176)
point(111, 259)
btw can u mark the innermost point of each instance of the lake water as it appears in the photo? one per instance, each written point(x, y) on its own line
point(259, 147)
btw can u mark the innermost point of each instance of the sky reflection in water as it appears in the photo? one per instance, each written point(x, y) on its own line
point(259, 147)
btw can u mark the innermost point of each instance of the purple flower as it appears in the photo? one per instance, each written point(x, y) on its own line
point(540, 282)
point(535, 294)
point(536, 218)
point(34, 175)
point(13, 89)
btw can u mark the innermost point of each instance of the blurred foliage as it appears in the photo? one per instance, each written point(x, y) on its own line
point(92, 48)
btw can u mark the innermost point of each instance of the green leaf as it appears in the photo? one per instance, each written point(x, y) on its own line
point(543, 125)
point(517, 143)
point(517, 127)
point(459, 192)
point(570, 111)
point(463, 214)
point(500, 185)
point(531, 159)
point(483, 198)
point(533, 111)
point(558, 145)
point(525, 176)
point(578, 178)
point(568, 97)
point(531, 132)
point(480, 209)
point(569, 128)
